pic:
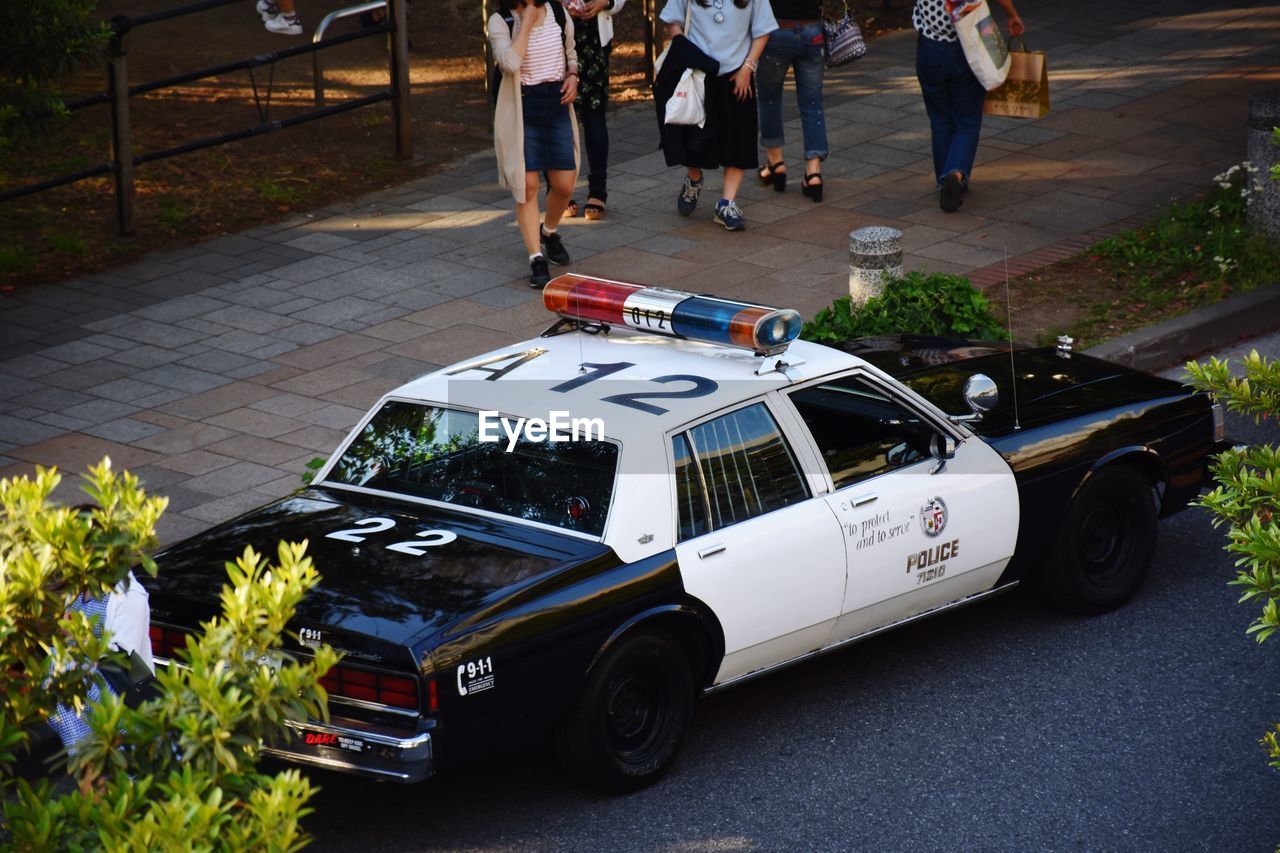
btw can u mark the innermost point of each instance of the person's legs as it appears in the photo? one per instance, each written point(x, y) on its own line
point(967, 98)
point(595, 137)
point(561, 188)
point(527, 214)
point(770, 77)
point(810, 65)
point(933, 73)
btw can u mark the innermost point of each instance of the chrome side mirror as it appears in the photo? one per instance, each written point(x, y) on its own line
point(981, 395)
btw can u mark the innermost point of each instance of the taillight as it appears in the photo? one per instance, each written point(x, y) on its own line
point(167, 642)
point(380, 688)
point(1219, 422)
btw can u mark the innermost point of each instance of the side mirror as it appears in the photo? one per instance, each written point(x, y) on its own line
point(981, 395)
point(942, 447)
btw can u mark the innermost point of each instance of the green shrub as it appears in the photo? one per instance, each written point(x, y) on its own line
point(934, 304)
point(1247, 497)
point(1198, 248)
point(44, 40)
point(179, 771)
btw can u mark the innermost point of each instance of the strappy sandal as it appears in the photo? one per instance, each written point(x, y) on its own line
point(811, 186)
point(769, 174)
point(571, 209)
point(594, 210)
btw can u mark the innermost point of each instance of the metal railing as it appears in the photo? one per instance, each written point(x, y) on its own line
point(119, 92)
point(317, 70)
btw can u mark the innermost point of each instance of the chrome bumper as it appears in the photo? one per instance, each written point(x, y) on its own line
point(353, 747)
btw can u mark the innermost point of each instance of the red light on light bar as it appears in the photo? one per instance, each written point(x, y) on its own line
point(673, 313)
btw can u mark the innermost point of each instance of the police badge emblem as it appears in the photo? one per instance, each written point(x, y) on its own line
point(933, 516)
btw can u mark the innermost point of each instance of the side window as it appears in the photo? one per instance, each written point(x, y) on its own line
point(746, 466)
point(860, 431)
point(691, 510)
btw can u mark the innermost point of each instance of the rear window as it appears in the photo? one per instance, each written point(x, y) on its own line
point(433, 452)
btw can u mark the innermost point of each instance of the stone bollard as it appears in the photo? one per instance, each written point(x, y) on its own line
point(1264, 201)
point(875, 253)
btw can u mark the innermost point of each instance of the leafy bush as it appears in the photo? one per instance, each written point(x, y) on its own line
point(43, 41)
point(178, 772)
point(1247, 498)
point(934, 304)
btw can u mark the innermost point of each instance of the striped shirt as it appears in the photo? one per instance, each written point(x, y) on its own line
point(932, 20)
point(544, 60)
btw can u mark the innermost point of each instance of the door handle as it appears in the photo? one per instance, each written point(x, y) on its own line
point(710, 550)
point(863, 500)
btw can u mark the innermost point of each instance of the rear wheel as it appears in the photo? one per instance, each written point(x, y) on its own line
point(627, 726)
point(1103, 551)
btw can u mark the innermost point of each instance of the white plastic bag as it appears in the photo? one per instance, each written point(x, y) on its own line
point(687, 104)
point(983, 43)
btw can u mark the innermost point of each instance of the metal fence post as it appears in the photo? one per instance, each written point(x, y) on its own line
point(121, 143)
point(650, 40)
point(398, 47)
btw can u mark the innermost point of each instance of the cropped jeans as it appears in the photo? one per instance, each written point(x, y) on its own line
point(953, 99)
point(802, 48)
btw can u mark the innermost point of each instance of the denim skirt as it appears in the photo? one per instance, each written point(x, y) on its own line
point(548, 129)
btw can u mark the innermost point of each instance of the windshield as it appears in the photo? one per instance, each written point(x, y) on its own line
point(426, 451)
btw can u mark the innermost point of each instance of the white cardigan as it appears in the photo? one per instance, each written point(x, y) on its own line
point(605, 21)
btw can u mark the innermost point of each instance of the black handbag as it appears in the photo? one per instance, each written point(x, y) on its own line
point(843, 40)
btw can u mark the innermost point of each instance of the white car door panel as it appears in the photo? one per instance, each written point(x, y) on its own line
point(769, 559)
point(927, 538)
point(775, 582)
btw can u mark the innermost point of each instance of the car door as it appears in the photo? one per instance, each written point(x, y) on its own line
point(752, 543)
point(920, 531)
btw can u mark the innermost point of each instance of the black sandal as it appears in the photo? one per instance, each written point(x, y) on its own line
point(571, 209)
point(769, 174)
point(811, 186)
point(595, 210)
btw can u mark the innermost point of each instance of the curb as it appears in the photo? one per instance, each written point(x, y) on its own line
point(1175, 341)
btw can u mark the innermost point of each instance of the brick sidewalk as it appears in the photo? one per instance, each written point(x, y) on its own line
point(216, 372)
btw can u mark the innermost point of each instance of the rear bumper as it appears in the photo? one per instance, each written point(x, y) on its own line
point(349, 746)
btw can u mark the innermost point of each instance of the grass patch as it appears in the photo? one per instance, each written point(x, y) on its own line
point(14, 259)
point(68, 244)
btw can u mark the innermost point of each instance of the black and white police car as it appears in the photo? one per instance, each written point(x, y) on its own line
point(666, 494)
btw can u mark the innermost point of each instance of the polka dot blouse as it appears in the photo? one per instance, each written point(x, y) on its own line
point(931, 20)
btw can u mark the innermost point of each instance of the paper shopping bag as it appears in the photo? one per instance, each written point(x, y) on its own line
point(1025, 92)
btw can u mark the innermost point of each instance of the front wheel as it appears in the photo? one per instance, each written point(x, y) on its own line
point(627, 726)
point(1103, 551)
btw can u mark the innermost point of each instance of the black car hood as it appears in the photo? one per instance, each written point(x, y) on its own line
point(367, 588)
point(1050, 385)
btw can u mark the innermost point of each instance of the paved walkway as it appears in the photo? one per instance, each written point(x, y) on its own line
point(216, 372)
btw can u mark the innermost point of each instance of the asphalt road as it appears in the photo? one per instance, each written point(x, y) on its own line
point(1002, 726)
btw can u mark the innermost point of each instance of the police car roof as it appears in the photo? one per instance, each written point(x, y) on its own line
point(575, 372)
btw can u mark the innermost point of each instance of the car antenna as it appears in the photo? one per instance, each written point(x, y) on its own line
point(582, 367)
point(1008, 313)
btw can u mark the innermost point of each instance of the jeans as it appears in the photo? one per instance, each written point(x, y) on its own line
point(953, 99)
point(801, 47)
point(595, 138)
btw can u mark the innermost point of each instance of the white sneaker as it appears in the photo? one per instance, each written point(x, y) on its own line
point(285, 25)
point(267, 9)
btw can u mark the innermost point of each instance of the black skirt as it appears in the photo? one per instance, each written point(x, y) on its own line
point(729, 138)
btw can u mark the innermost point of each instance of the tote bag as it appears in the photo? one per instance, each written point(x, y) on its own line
point(1025, 92)
point(983, 44)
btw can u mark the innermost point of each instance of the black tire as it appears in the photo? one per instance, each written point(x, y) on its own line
point(626, 727)
point(1103, 551)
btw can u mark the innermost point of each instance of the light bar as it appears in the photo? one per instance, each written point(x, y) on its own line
point(766, 331)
